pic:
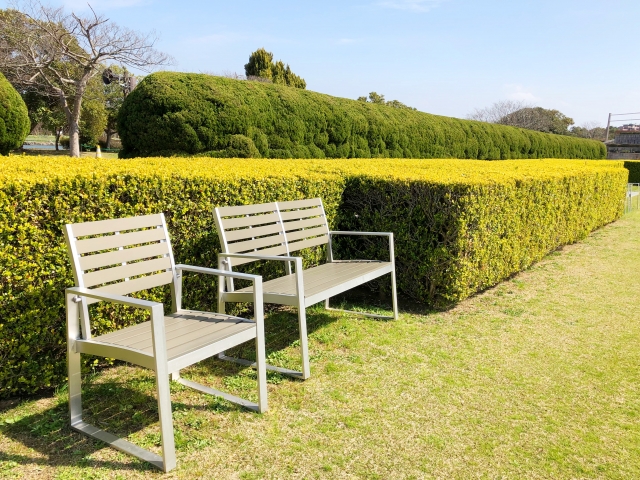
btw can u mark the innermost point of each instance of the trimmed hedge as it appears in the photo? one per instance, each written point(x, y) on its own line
point(634, 170)
point(14, 118)
point(459, 227)
point(173, 113)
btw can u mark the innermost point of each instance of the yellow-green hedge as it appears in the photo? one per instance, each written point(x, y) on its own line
point(459, 226)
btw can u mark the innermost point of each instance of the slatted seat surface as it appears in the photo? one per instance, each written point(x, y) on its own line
point(185, 331)
point(322, 278)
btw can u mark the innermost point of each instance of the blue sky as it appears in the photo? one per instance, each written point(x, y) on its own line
point(441, 56)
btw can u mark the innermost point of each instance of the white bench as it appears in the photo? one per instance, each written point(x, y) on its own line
point(273, 231)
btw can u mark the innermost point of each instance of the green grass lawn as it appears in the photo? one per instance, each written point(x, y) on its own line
point(41, 138)
point(538, 377)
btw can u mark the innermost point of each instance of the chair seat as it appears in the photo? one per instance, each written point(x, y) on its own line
point(325, 280)
point(186, 332)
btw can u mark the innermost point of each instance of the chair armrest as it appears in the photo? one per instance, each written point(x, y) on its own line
point(113, 298)
point(215, 271)
point(368, 234)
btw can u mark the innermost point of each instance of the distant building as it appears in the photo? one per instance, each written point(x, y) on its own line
point(626, 144)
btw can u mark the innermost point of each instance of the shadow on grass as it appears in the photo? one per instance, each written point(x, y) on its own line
point(107, 405)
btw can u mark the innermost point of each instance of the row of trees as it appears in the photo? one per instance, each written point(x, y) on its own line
point(523, 115)
point(53, 59)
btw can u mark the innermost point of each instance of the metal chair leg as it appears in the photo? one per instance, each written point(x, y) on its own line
point(304, 344)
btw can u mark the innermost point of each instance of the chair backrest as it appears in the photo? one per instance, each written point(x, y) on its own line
point(120, 256)
point(274, 229)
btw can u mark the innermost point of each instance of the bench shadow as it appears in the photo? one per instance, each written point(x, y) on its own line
point(48, 432)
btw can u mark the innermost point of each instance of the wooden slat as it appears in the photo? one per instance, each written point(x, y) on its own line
point(115, 225)
point(246, 209)
point(310, 222)
point(312, 242)
point(240, 247)
point(124, 240)
point(131, 270)
point(309, 232)
point(296, 214)
point(253, 220)
point(280, 250)
point(100, 260)
point(143, 283)
point(310, 202)
point(245, 233)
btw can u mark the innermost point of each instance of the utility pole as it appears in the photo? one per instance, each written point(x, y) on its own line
point(608, 125)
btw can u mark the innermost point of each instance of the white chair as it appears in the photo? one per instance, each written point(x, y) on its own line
point(114, 258)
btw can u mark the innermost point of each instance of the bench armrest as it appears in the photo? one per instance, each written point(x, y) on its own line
point(366, 234)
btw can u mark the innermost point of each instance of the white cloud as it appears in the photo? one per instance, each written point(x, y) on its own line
point(521, 94)
point(412, 5)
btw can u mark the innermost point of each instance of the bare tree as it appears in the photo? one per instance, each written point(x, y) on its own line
point(497, 111)
point(52, 52)
point(523, 115)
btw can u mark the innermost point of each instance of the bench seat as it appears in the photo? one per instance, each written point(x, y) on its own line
point(320, 283)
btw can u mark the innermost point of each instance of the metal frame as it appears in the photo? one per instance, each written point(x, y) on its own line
point(298, 299)
point(79, 341)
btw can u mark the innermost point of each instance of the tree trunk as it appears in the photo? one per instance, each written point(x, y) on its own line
point(73, 116)
point(58, 134)
point(109, 134)
point(74, 139)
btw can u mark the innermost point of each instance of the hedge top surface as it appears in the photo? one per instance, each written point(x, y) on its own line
point(43, 169)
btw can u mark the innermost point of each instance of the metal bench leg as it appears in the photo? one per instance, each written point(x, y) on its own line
point(394, 295)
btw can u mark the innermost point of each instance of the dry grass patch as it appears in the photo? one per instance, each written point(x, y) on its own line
point(538, 377)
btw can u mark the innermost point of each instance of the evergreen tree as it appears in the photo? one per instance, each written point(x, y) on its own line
point(261, 65)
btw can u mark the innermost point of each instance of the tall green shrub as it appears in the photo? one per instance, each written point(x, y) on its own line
point(14, 118)
point(177, 113)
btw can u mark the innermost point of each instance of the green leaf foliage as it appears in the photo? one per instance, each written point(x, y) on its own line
point(190, 114)
point(459, 227)
point(14, 118)
point(634, 170)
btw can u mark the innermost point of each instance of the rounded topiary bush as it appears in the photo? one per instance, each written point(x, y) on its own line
point(14, 118)
point(171, 113)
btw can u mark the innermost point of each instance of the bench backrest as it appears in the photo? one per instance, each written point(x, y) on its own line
point(279, 228)
point(119, 256)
